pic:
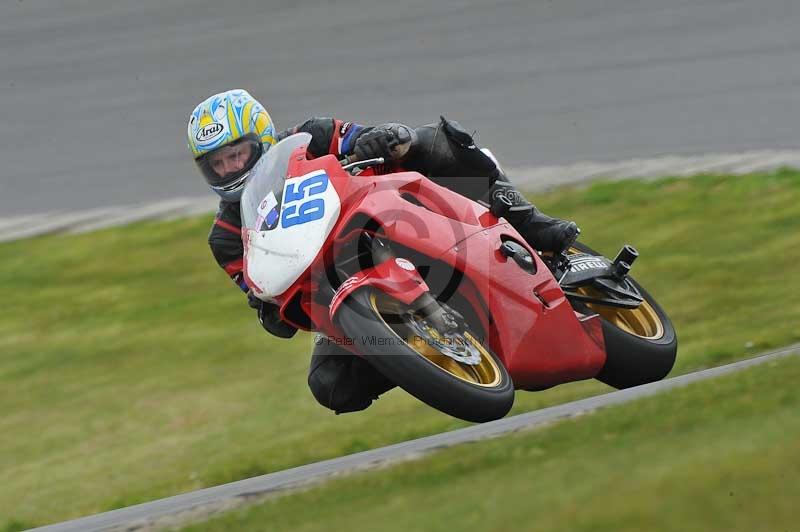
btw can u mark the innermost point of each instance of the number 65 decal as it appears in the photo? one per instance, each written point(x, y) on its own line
point(297, 213)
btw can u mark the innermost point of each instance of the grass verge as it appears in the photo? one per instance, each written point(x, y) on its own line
point(720, 455)
point(130, 368)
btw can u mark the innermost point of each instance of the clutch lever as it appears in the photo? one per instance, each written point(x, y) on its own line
point(561, 259)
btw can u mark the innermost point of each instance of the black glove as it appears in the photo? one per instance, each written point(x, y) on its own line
point(269, 317)
point(390, 141)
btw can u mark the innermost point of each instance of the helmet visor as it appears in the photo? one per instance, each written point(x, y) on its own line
point(226, 165)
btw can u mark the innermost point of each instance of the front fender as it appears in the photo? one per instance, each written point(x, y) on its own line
point(396, 277)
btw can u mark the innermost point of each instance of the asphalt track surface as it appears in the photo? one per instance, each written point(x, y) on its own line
point(203, 503)
point(535, 179)
point(94, 94)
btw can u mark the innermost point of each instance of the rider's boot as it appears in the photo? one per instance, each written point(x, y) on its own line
point(542, 232)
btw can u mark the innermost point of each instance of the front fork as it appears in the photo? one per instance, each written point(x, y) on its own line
point(444, 318)
point(398, 278)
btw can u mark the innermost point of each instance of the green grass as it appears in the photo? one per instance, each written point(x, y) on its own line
point(131, 369)
point(721, 455)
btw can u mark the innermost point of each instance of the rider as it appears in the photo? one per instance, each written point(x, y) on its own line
point(229, 132)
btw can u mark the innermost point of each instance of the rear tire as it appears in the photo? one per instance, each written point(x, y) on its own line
point(474, 393)
point(641, 344)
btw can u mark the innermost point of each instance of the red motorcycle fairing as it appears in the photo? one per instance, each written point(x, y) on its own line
point(532, 327)
point(396, 277)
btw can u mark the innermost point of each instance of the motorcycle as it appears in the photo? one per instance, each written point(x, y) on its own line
point(439, 292)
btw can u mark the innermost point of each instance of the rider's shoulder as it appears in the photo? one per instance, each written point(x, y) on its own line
point(321, 129)
point(315, 124)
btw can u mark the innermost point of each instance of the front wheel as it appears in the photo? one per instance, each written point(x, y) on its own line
point(641, 344)
point(454, 372)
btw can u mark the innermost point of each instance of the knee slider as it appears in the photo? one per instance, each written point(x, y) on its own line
point(466, 151)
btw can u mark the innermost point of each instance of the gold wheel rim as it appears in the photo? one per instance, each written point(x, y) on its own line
point(486, 373)
point(642, 321)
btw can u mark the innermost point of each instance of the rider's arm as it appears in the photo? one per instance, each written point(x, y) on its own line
point(443, 151)
point(328, 135)
point(331, 136)
point(225, 240)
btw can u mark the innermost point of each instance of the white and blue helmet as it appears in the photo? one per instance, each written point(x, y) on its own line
point(229, 119)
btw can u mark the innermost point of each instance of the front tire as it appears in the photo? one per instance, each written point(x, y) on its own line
point(641, 344)
point(388, 337)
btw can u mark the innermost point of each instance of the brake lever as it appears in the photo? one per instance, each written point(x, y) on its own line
point(361, 165)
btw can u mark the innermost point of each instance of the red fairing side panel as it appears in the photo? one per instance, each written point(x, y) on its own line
point(535, 330)
point(444, 219)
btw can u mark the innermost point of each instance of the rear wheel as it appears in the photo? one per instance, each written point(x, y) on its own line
point(452, 372)
point(641, 344)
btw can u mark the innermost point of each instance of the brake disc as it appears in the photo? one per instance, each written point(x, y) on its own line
point(452, 345)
